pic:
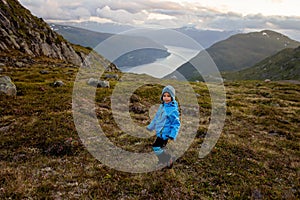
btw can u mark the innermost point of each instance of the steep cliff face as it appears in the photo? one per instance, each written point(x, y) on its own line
point(20, 30)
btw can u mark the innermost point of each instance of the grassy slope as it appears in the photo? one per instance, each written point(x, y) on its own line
point(38, 159)
point(284, 65)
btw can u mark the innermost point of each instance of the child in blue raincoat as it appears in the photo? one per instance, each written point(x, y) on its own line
point(166, 123)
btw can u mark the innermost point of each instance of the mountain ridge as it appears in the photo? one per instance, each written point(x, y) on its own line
point(250, 47)
point(132, 58)
point(80, 36)
point(21, 31)
point(206, 38)
point(239, 52)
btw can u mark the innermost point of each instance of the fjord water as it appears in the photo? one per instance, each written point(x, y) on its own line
point(164, 66)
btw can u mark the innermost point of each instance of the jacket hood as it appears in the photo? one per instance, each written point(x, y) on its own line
point(170, 90)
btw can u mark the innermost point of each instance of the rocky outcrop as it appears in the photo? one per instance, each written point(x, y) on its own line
point(21, 31)
point(98, 83)
point(7, 86)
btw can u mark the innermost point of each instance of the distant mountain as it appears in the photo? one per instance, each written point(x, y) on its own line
point(80, 36)
point(244, 50)
point(111, 28)
point(284, 65)
point(206, 38)
point(22, 32)
point(132, 58)
point(240, 51)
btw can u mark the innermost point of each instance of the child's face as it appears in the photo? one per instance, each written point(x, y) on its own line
point(167, 97)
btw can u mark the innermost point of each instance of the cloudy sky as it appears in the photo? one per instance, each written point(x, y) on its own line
point(278, 15)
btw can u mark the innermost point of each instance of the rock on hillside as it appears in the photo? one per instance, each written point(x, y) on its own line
point(21, 31)
point(7, 86)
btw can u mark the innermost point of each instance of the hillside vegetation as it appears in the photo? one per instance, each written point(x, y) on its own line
point(284, 65)
point(41, 155)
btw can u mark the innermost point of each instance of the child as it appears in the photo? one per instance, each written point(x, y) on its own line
point(166, 123)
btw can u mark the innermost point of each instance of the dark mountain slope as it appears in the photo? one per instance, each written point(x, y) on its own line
point(206, 38)
point(23, 32)
point(284, 65)
point(244, 50)
point(80, 36)
point(138, 56)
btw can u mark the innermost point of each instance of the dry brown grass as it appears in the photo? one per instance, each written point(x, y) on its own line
point(256, 157)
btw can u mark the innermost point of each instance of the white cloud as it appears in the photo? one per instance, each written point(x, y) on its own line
point(213, 14)
point(121, 15)
point(158, 16)
point(265, 7)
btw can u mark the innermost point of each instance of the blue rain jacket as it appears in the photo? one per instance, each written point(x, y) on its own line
point(166, 122)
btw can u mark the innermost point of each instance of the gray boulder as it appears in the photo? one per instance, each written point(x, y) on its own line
point(7, 86)
point(58, 83)
point(104, 84)
point(98, 83)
